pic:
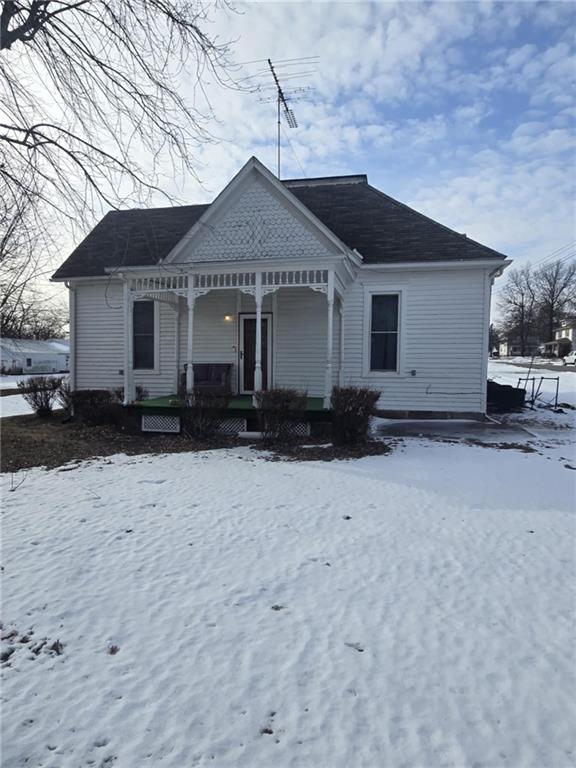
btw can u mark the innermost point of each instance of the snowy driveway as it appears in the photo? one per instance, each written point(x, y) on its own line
point(406, 610)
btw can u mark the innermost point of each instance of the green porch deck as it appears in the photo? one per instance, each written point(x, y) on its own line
point(237, 403)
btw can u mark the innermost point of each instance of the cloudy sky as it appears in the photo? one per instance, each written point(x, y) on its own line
point(464, 110)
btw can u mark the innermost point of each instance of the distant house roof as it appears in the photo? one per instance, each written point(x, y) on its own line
point(35, 346)
point(565, 325)
point(380, 228)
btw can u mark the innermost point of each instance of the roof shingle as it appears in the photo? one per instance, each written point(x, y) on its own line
point(380, 228)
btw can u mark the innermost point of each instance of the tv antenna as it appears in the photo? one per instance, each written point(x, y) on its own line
point(283, 98)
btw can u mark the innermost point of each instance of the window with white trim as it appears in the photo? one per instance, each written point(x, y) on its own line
point(384, 324)
point(143, 326)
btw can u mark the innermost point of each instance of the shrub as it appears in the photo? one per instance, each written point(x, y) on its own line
point(352, 408)
point(202, 412)
point(64, 396)
point(278, 411)
point(141, 393)
point(96, 406)
point(40, 393)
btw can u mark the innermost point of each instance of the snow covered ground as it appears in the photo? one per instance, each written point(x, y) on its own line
point(10, 382)
point(543, 423)
point(217, 609)
point(505, 373)
point(13, 405)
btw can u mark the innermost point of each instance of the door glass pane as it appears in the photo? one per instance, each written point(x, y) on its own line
point(249, 350)
point(385, 313)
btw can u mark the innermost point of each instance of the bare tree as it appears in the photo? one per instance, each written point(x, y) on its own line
point(25, 311)
point(518, 304)
point(21, 240)
point(90, 108)
point(555, 286)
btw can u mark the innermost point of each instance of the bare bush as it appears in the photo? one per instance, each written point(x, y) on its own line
point(40, 393)
point(202, 413)
point(352, 408)
point(279, 410)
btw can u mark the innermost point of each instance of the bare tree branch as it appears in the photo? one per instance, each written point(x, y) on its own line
point(91, 109)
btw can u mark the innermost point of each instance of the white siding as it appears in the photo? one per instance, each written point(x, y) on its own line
point(299, 325)
point(444, 321)
point(215, 339)
point(100, 341)
point(442, 335)
point(301, 339)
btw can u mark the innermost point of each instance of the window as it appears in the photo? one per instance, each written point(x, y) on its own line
point(143, 335)
point(28, 362)
point(384, 332)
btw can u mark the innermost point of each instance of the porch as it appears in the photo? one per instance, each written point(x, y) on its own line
point(236, 403)
point(267, 328)
point(163, 414)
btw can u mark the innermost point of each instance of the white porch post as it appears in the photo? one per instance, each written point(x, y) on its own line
point(189, 342)
point(258, 352)
point(329, 339)
point(128, 344)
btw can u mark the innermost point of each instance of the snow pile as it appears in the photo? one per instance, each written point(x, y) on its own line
point(218, 609)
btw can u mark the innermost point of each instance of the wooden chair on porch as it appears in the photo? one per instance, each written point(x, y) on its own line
point(209, 377)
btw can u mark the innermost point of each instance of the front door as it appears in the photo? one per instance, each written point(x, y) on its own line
point(248, 352)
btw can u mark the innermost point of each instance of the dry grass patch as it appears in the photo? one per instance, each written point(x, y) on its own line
point(28, 441)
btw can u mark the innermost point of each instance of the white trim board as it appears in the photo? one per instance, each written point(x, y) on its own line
point(386, 289)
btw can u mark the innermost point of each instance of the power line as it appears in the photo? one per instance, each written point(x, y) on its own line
point(559, 254)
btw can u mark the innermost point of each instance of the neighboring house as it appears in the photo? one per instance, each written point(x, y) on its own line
point(305, 283)
point(563, 341)
point(34, 356)
point(513, 347)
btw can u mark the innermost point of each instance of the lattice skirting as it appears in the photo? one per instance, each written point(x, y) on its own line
point(153, 422)
point(300, 429)
point(232, 425)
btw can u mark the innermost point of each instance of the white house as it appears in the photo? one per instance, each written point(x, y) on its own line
point(564, 340)
point(305, 283)
point(34, 356)
point(513, 347)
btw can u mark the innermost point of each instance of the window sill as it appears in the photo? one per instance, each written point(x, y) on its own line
point(383, 374)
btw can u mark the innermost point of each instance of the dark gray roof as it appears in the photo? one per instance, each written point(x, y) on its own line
point(129, 239)
point(380, 228)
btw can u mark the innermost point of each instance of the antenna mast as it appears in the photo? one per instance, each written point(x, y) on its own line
point(282, 106)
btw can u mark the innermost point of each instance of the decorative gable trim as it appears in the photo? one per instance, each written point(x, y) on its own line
point(232, 191)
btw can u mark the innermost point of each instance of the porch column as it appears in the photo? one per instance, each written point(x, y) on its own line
point(258, 353)
point(189, 342)
point(329, 340)
point(128, 344)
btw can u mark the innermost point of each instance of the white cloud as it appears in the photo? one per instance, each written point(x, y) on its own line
point(407, 92)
